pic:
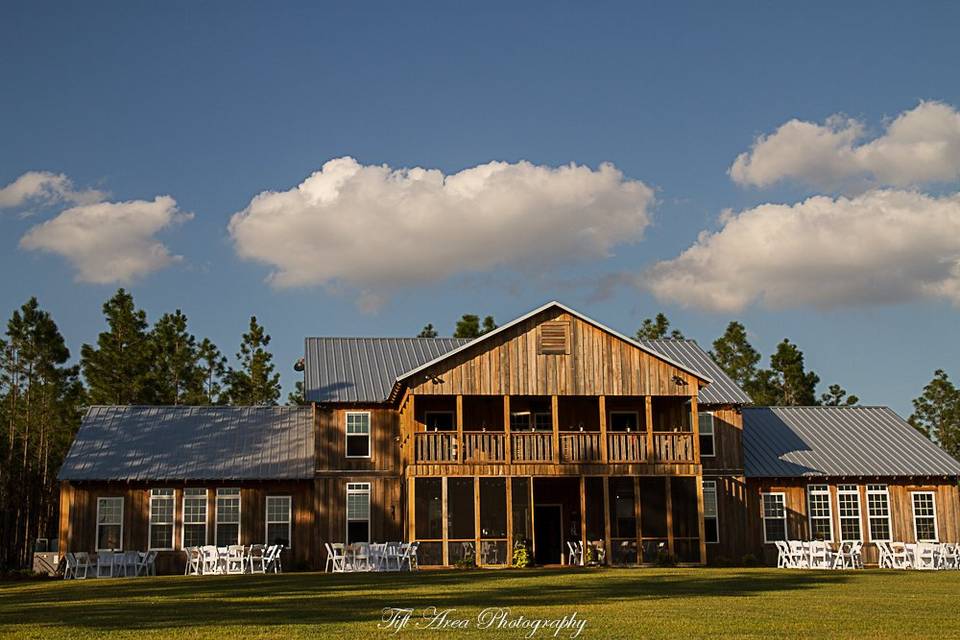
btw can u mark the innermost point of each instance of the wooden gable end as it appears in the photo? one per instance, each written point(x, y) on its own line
point(554, 352)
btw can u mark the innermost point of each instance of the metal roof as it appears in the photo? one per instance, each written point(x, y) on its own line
point(554, 304)
point(192, 443)
point(723, 390)
point(365, 369)
point(785, 442)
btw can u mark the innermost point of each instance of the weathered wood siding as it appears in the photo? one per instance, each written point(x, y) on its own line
point(598, 363)
point(946, 492)
point(386, 508)
point(728, 441)
point(331, 439)
point(733, 511)
point(78, 517)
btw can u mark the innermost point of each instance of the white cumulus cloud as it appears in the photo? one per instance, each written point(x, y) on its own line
point(921, 145)
point(109, 242)
point(372, 227)
point(884, 246)
point(46, 188)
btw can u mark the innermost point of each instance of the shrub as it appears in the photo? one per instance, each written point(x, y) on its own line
point(521, 555)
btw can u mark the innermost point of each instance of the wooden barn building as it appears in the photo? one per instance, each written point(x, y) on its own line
point(550, 429)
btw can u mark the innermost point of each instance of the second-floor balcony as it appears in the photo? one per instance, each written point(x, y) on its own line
point(544, 447)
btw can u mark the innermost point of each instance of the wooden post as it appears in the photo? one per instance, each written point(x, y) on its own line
point(703, 530)
point(603, 429)
point(583, 521)
point(508, 444)
point(411, 509)
point(648, 418)
point(509, 521)
point(637, 511)
point(555, 412)
point(476, 519)
point(695, 427)
point(459, 455)
point(606, 519)
point(443, 520)
point(533, 525)
point(669, 490)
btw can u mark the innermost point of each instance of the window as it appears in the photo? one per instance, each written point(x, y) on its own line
point(439, 421)
point(924, 516)
point(624, 421)
point(878, 512)
point(227, 527)
point(707, 443)
point(194, 518)
point(161, 519)
point(109, 523)
point(821, 516)
point(543, 421)
point(521, 421)
point(278, 520)
point(774, 517)
point(848, 503)
point(358, 434)
point(710, 519)
point(358, 512)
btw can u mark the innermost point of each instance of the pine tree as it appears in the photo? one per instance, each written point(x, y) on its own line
point(212, 367)
point(177, 376)
point(427, 332)
point(297, 397)
point(836, 396)
point(936, 413)
point(255, 382)
point(489, 324)
point(786, 382)
point(41, 397)
point(469, 326)
point(118, 369)
point(657, 328)
point(735, 355)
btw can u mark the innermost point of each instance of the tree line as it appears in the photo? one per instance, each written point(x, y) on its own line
point(42, 396)
point(785, 381)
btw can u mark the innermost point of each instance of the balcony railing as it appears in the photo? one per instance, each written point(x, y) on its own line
point(537, 447)
point(532, 446)
point(626, 447)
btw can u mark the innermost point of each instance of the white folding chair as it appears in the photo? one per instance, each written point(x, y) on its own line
point(799, 554)
point(194, 559)
point(210, 562)
point(271, 559)
point(410, 556)
point(925, 556)
point(236, 559)
point(105, 563)
point(255, 558)
point(70, 566)
point(84, 565)
point(948, 557)
point(784, 558)
point(574, 553)
point(146, 564)
point(335, 560)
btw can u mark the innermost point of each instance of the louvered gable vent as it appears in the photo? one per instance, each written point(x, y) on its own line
point(555, 338)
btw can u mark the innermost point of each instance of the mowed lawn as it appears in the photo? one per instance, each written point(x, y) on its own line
point(616, 603)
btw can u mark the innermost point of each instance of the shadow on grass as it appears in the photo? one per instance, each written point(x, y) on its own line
point(324, 599)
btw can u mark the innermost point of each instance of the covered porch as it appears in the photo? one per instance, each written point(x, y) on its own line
point(622, 520)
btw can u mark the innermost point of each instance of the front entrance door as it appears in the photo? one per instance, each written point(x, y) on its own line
point(548, 532)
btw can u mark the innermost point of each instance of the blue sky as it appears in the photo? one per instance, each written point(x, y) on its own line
point(212, 103)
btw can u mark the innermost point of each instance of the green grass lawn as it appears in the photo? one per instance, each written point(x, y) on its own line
point(616, 603)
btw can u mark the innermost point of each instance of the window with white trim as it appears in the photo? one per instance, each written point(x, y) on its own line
point(109, 523)
point(707, 441)
point(278, 520)
point(358, 434)
point(878, 512)
point(848, 506)
point(227, 525)
point(194, 518)
point(711, 520)
point(358, 512)
point(161, 519)
point(820, 512)
point(774, 517)
point(924, 516)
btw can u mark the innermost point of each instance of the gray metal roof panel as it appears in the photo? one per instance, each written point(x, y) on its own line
point(723, 390)
point(363, 370)
point(192, 443)
point(838, 441)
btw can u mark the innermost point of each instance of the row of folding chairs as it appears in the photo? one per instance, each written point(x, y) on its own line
point(233, 559)
point(920, 555)
point(109, 564)
point(816, 554)
point(364, 556)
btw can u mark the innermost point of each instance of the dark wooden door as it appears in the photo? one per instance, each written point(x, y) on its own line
point(548, 531)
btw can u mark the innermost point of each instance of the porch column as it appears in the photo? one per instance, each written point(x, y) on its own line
point(509, 521)
point(476, 519)
point(703, 530)
point(459, 455)
point(606, 519)
point(637, 512)
point(443, 517)
point(555, 412)
point(533, 523)
point(669, 489)
point(583, 520)
point(603, 428)
point(508, 444)
point(648, 418)
point(695, 427)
